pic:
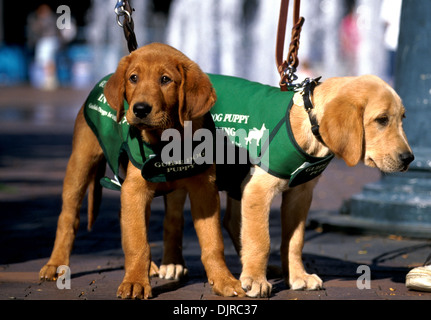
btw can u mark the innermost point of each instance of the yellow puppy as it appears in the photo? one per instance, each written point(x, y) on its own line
point(360, 119)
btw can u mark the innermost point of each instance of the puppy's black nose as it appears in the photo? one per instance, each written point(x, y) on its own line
point(142, 110)
point(407, 158)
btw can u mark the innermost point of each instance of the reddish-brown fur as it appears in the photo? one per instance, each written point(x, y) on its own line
point(187, 96)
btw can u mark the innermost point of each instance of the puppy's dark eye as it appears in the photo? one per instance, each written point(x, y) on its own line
point(134, 78)
point(165, 80)
point(383, 120)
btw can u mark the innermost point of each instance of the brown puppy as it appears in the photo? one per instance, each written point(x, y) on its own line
point(163, 89)
point(360, 119)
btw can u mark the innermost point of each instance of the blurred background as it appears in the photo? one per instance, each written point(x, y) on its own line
point(53, 52)
point(234, 37)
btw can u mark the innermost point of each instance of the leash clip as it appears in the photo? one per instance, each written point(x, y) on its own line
point(305, 84)
point(288, 77)
point(300, 87)
point(120, 11)
point(123, 9)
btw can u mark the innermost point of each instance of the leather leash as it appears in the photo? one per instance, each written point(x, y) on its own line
point(287, 68)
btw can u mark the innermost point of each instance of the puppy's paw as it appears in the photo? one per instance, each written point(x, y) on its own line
point(306, 282)
point(48, 272)
point(172, 271)
point(134, 290)
point(257, 287)
point(227, 287)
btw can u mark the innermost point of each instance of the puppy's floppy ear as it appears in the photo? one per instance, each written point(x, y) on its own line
point(196, 94)
point(116, 86)
point(342, 127)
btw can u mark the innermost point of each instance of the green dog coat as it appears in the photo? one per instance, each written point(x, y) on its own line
point(256, 117)
point(253, 116)
point(120, 142)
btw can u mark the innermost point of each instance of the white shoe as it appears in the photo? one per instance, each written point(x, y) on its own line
point(419, 279)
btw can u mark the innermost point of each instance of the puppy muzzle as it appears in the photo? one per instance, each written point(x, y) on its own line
point(406, 158)
point(141, 110)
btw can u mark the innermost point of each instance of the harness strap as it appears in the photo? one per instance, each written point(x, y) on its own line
point(309, 87)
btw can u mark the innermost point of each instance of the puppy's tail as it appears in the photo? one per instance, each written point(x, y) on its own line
point(95, 193)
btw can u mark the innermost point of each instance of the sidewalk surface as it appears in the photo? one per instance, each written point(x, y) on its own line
point(35, 143)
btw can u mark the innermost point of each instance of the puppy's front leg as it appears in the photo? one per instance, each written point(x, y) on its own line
point(294, 210)
point(205, 205)
point(136, 197)
point(256, 201)
point(173, 265)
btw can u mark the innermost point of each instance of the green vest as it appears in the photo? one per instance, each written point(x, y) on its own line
point(121, 142)
point(256, 117)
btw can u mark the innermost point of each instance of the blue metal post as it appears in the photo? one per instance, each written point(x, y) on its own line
point(401, 203)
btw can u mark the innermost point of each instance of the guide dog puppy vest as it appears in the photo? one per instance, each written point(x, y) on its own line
point(121, 142)
point(257, 117)
point(253, 116)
